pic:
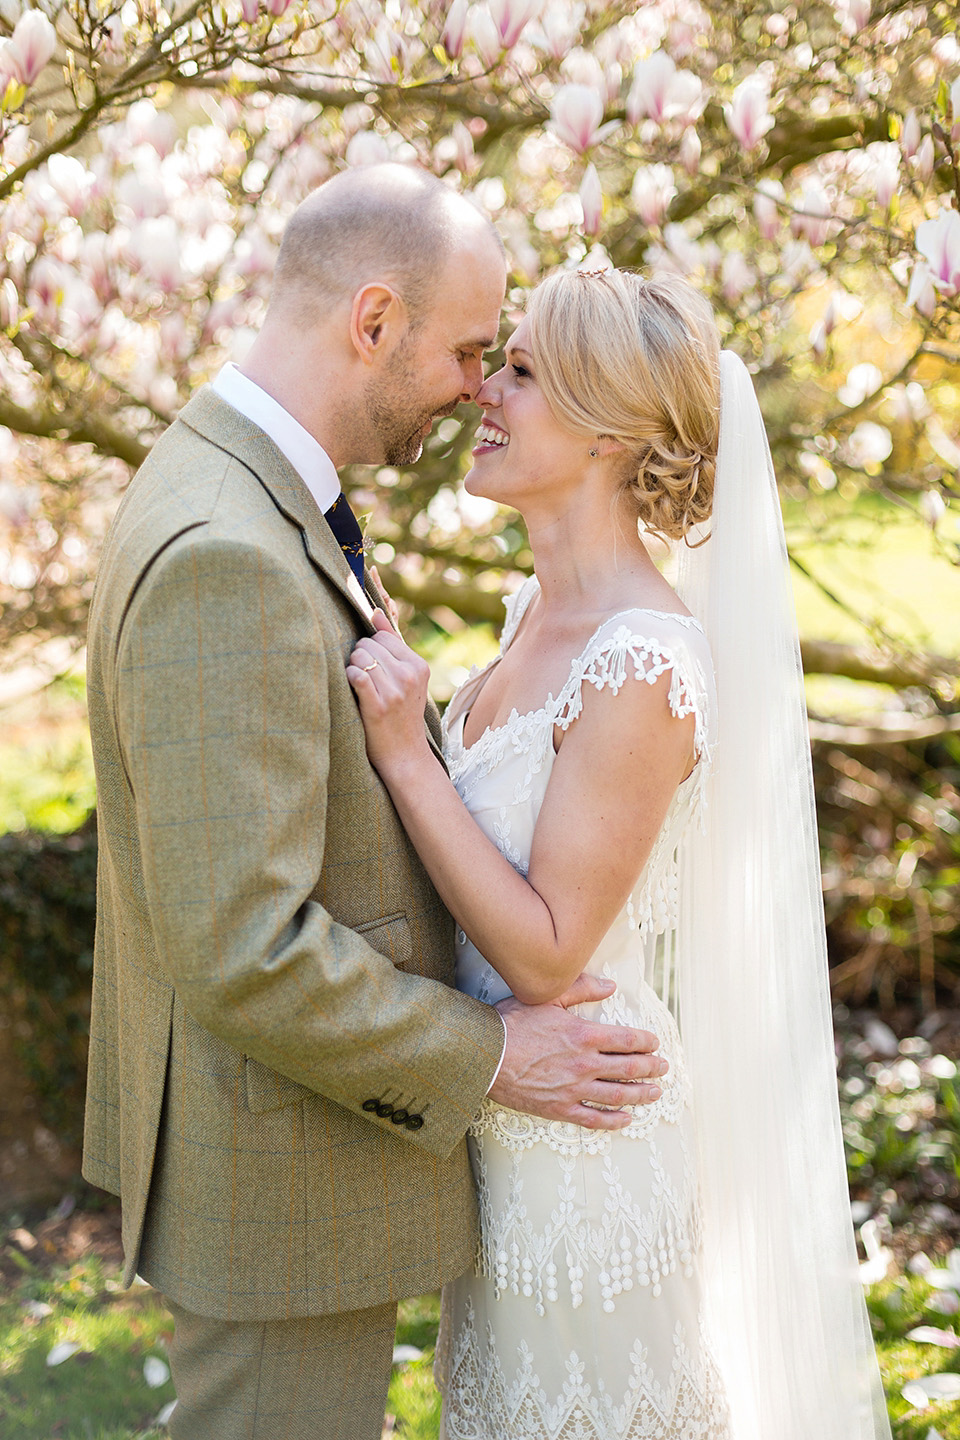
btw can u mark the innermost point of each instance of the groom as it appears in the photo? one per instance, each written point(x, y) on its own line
point(281, 1076)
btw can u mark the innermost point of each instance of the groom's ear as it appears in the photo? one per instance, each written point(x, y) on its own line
point(378, 321)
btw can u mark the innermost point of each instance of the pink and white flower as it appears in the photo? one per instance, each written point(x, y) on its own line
point(852, 15)
point(591, 201)
point(455, 29)
point(766, 209)
point(577, 116)
point(690, 150)
point(910, 138)
point(812, 217)
point(885, 157)
point(250, 9)
point(651, 193)
point(33, 43)
point(748, 115)
point(511, 17)
point(485, 36)
point(558, 29)
point(938, 241)
point(662, 92)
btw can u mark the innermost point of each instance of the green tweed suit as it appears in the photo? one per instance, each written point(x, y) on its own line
point(271, 957)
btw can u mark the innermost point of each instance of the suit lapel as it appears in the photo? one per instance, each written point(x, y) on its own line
point(226, 428)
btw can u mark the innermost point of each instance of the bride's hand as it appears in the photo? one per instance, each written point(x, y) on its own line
point(390, 682)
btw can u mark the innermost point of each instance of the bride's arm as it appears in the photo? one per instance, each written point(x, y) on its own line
point(609, 791)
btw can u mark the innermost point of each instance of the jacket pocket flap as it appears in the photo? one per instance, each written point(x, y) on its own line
point(390, 936)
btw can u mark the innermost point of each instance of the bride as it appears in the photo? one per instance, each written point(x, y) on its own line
point(629, 794)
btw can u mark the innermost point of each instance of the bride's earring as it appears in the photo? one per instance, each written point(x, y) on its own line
point(594, 454)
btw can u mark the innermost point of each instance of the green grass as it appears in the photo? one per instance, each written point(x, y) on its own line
point(100, 1392)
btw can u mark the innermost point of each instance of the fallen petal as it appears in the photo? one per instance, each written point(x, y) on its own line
point(929, 1388)
point(37, 1309)
point(155, 1372)
point(946, 1303)
point(62, 1352)
point(164, 1416)
point(403, 1354)
point(930, 1335)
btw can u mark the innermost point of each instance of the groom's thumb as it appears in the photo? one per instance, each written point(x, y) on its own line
point(380, 621)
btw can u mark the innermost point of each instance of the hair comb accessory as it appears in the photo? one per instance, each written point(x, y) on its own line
point(589, 274)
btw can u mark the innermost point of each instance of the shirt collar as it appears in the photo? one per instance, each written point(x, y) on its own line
point(306, 455)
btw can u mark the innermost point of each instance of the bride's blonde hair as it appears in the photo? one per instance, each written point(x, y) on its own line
point(637, 360)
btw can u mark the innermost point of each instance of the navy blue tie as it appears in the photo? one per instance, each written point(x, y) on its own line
point(347, 534)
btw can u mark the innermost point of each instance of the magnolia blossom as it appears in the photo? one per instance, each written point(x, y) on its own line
point(652, 191)
point(736, 277)
point(559, 29)
point(955, 107)
point(250, 9)
point(690, 150)
point(591, 200)
point(662, 92)
point(852, 15)
point(367, 148)
point(886, 171)
point(747, 115)
point(485, 36)
point(277, 7)
point(923, 161)
point(510, 18)
point(869, 445)
point(577, 116)
point(766, 209)
point(455, 29)
point(939, 243)
point(910, 138)
point(921, 293)
point(33, 43)
point(932, 507)
point(812, 217)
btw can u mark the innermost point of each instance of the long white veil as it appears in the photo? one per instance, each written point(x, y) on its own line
point(783, 1294)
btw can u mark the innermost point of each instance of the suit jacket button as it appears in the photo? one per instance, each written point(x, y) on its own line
point(371, 1104)
point(384, 1110)
point(399, 1117)
point(414, 1122)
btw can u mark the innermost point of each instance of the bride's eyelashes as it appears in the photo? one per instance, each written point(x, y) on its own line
point(520, 371)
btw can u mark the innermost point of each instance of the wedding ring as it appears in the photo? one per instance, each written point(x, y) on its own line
point(372, 666)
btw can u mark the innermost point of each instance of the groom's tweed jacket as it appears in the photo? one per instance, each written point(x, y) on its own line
point(270, 953)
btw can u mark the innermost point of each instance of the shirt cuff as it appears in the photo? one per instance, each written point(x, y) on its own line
point(493, 1078)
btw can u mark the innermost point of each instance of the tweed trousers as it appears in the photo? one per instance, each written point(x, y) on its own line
point(320, 1378)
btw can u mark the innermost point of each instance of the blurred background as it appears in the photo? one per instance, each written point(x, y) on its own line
point(800, 162)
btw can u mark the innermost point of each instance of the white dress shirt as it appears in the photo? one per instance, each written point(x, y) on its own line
point(306, 455)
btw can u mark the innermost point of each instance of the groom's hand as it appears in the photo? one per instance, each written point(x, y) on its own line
point(560, 1066)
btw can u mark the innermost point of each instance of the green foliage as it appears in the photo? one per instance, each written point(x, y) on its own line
point(47, 911)
point(890, 840)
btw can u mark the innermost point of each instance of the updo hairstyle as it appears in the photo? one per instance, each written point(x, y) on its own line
point(636, 360)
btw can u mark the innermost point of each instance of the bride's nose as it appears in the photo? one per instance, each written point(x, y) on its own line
point(491, 391)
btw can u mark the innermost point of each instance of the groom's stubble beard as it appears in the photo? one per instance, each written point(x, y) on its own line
point(397, 410)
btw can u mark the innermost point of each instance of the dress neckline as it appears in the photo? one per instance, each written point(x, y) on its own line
point(539, 711)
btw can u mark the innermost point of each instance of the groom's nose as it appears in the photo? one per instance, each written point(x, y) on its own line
point(471, 370)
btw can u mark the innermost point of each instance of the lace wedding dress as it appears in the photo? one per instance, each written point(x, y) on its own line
point(583, 1319)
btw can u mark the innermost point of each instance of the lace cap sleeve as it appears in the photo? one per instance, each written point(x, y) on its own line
point(643, 645)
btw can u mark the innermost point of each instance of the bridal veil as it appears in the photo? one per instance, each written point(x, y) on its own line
point(781, 1278)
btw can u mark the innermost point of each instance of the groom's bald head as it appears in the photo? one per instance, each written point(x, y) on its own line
point(391, 224)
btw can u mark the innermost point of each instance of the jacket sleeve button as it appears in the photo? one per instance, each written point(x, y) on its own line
point(384, 1110)
point(414, 1122)
point(399, 1117)
point(370, 1105)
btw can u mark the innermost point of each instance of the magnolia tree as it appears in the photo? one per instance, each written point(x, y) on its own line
point(797, 160)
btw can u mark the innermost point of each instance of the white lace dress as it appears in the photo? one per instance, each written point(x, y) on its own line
point(582, 1319)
